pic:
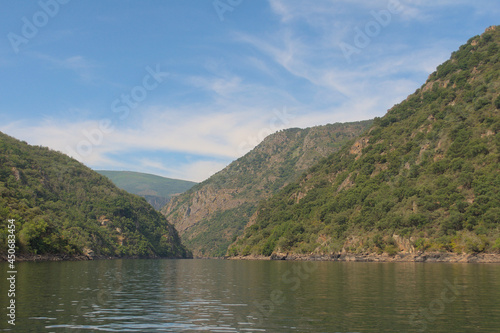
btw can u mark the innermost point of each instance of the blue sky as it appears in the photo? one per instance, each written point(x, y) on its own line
point(181, 88)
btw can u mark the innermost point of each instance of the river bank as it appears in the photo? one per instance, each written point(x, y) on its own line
point(437, 257)
point(441, 257)
point(63, 257)
point(53, 257)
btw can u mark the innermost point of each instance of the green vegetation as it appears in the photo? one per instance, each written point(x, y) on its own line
point(62, 207)
point(213, 213)
point(427, 172)
point(213, 235)
point(155, 189)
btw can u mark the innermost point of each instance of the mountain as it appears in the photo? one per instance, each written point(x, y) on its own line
point(211, 214)
point(63, 208)
point(425, 177)
point(155, 189)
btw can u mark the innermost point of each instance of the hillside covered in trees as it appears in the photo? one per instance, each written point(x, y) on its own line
point(425, 177)
point(213, 213)
point(61, 207)
point(156, 190)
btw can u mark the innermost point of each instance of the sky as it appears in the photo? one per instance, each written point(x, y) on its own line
point(180, 88)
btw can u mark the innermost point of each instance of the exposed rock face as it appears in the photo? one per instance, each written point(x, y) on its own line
point(404, 245)
point(16, 174)
point(203, 204)
point(156, 201)
point(358, 146)
point(213, 213)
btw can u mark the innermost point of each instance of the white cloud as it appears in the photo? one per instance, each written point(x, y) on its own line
point(236, 110)
point(239, 112)
point(215, 135)
point(76, 63)
point(291, 10)
point(195, 171)
point(385, 72)
point(224, 86)
point(201, 170)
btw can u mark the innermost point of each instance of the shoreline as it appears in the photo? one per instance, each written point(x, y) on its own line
point(64, 257)
point(46, 257)
point(425, 257)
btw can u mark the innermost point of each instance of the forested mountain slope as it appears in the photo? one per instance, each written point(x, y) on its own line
point(61, 207)
point(211, 214)
point(156, 190)
point(425, 177)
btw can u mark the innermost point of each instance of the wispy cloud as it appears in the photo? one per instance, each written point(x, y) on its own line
point(312, 12)
point(228, 99)
point(76, 63)
point(194, 171)
point(376, 77)
point(214, 136)
point(223, 86)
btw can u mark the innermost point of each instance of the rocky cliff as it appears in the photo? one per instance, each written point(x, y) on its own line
point(213, 213)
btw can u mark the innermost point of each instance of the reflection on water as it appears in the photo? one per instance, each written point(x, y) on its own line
point(254, 296)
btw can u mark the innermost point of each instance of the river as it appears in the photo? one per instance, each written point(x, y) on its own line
point(252, 296)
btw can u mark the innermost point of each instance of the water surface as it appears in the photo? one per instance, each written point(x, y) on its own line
point(253, 296)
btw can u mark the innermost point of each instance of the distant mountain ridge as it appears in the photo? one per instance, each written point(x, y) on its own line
point(211, 214)
point(62, 208)
point(155, 189)
point(425, 177)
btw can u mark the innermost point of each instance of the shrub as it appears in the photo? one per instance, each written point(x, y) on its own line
point(246, 251)
point(476, 244)
point(391, 250)
point(496, 246)
point(268, 248)
point(497, 102)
